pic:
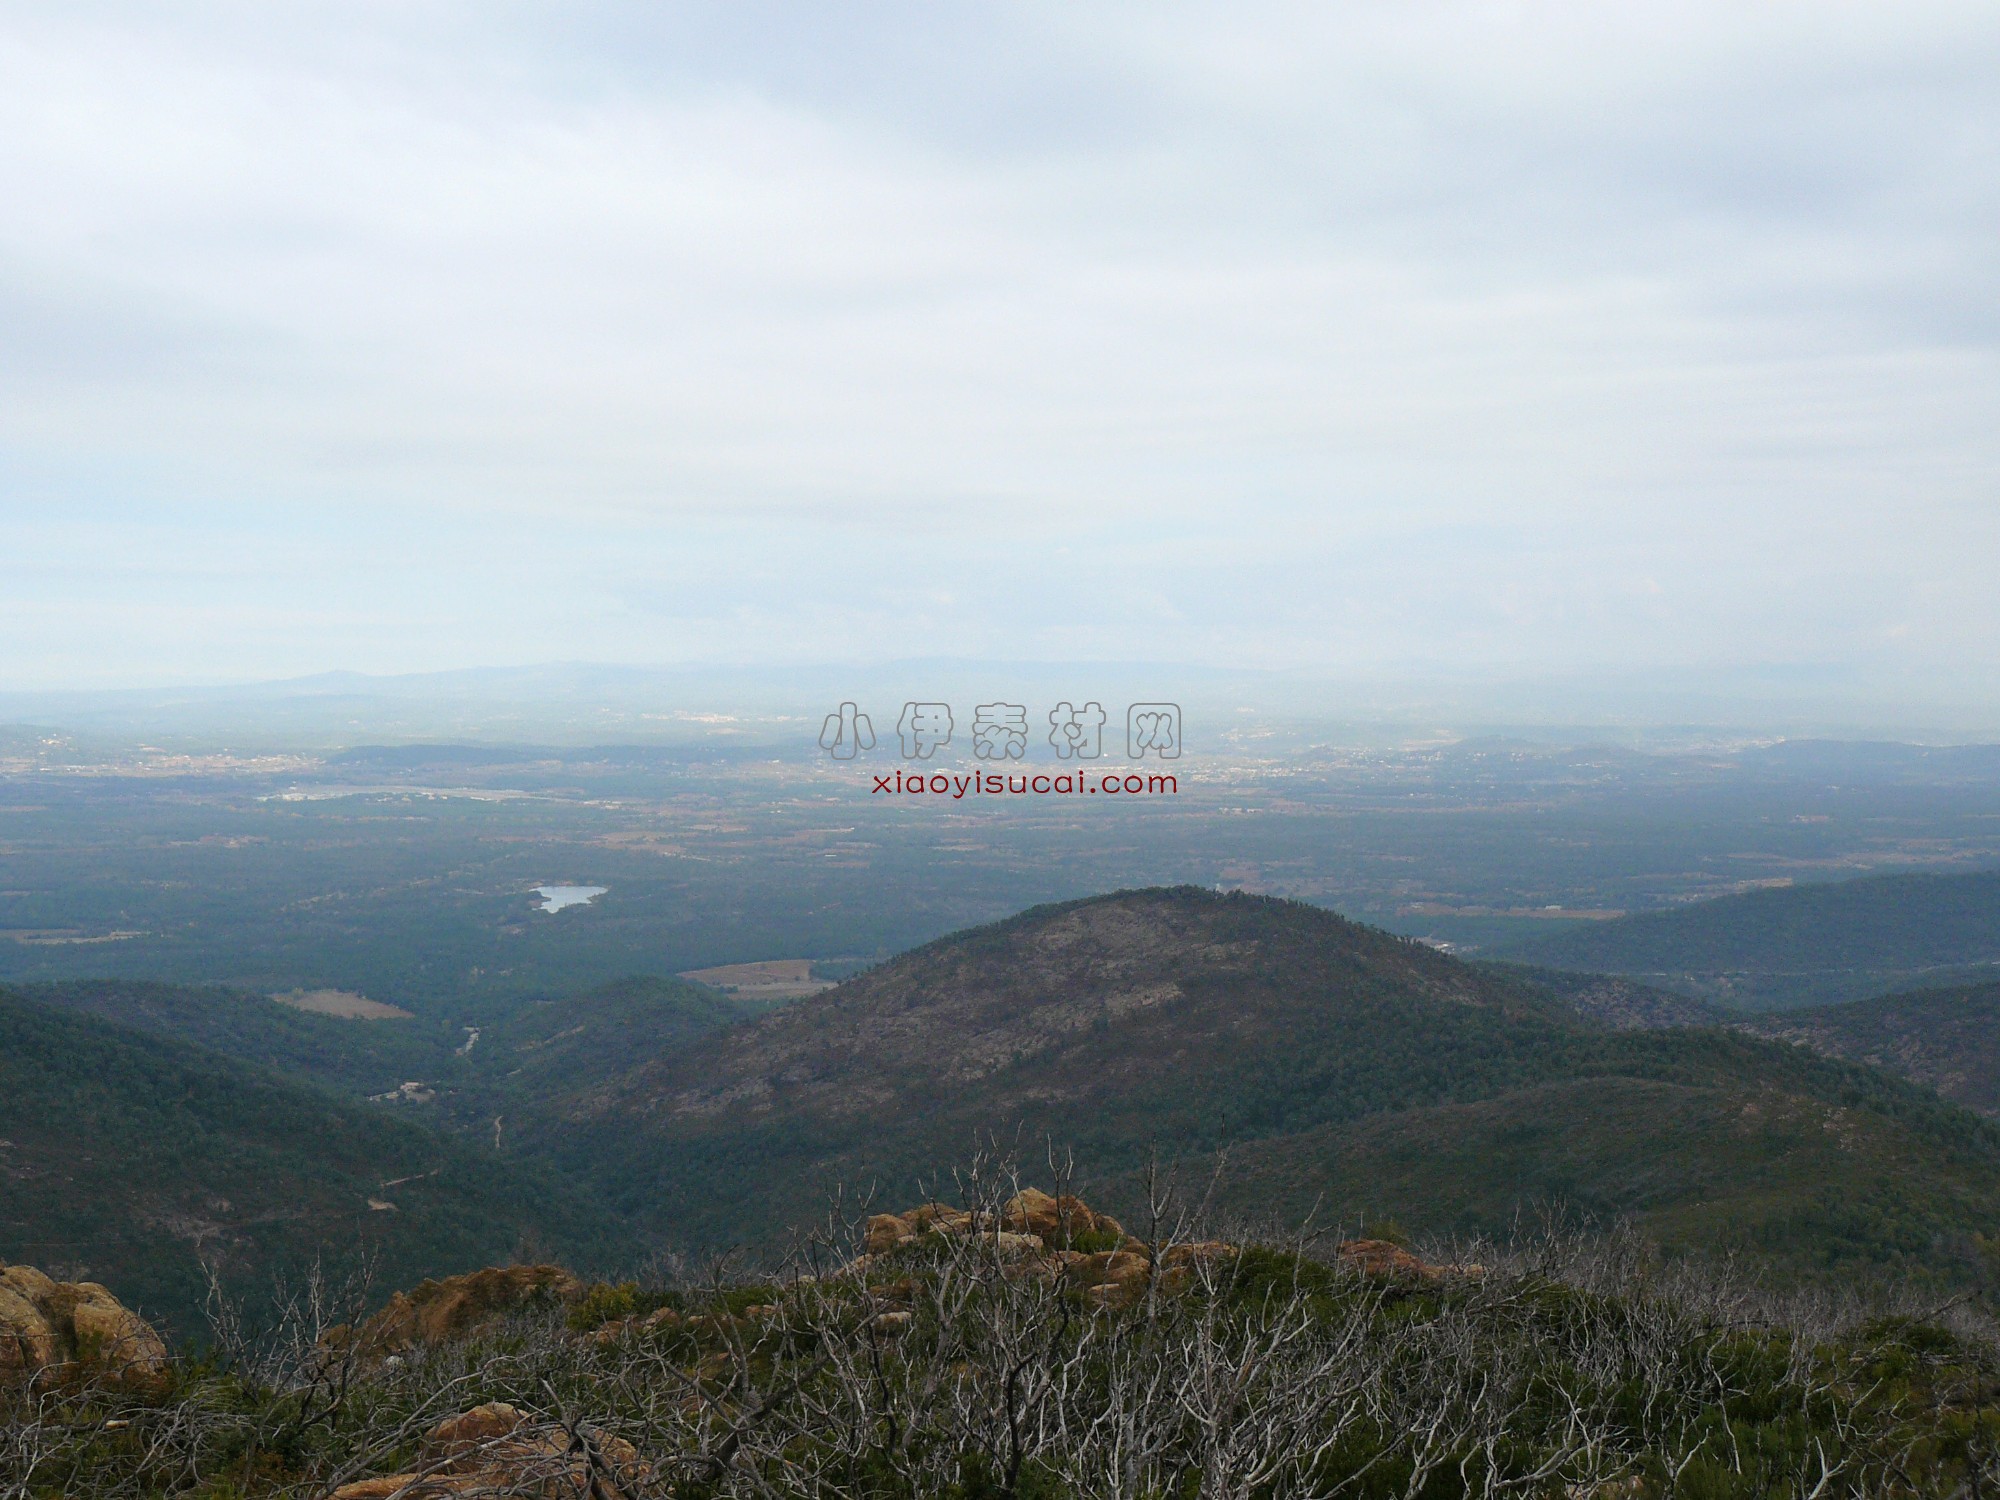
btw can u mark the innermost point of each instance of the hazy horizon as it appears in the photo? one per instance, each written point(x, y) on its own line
point(1231, 711)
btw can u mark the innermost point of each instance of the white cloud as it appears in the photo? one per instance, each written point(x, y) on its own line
point(1353, 337)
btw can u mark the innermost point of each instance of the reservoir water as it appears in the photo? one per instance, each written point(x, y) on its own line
point(556, 897)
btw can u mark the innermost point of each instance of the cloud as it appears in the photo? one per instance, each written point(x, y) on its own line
point(1334, 337)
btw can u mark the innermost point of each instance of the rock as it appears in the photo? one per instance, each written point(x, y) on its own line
point(1056, 1221)
point(1112, 1278)
point(110, 1336)
point(63, 1325)
point(458, 1442)
point(1194, 1253)
point(30, 1338)
point(496, 1449)
point(439, 1312)
point(884, 1232)
point(1382, 1258)
point(1009, 1246)
point(940, 1218)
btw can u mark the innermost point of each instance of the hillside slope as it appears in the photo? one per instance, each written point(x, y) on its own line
point(353, 1057)
point(1178, 1020)
point(538, 1046)
point(1811, 1174)
point(1948, 1039)
point(1614, 1000)
point(547, 1047)
point(1797, 945)
point(128, 1158)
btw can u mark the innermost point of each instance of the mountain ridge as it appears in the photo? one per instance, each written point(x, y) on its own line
point(1180, 1021)
point(1817, 943)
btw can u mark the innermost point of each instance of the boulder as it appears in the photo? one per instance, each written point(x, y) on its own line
point(1010, 1246)
point(1112, 1278)
point(31, 1337)
point(74, 1326)
point(1196, 1253)
point(496, 1449)
point(884, 1232)
point(1387, 1259)
point(1055, 1220)
point(440, 1312)
point(1030, 1214)
point(619, 1329)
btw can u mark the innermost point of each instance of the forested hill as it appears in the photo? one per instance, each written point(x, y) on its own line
point(347, 1056)
point(1798, 945)
point(1948, 1038)
point(129, 1159)
point(1177, 1021)
point(504, 1065)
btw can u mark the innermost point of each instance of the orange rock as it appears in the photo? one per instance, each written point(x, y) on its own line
point(438, 1312)
point(1111, 1278)
point(1032, 1211)
point(885, 1232)
point(460, 1440)
point(1057, 1221)
point(47, 1324)
point(941, 1218)
point(1196, 1252)
point(1381, 1258)
point(31, 1335)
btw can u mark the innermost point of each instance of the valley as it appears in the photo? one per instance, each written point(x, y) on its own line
point(659, 1049)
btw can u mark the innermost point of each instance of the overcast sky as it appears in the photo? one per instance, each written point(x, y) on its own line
point(1502, 338)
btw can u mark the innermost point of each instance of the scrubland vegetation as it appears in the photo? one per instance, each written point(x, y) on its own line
point(971, 1361)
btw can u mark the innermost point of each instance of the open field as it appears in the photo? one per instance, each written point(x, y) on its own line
point(343, 1003)
point(772, 979)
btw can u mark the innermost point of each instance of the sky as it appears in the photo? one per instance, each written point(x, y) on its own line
point(1476, 341)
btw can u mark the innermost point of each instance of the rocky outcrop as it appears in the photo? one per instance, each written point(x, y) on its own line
point(74, 1327)
point(1390, 1261)
point(497, 1449)
point(1030, 1220)
point(608, 1334)
point(1111, 1278)
point(440, 1312)
point(1059, 1221)
point(1035, 1232)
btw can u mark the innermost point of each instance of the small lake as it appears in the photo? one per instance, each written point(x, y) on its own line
point(556, 897)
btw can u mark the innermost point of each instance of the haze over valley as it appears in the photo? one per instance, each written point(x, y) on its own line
point(999, 752)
